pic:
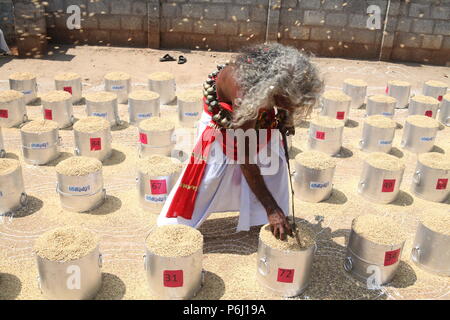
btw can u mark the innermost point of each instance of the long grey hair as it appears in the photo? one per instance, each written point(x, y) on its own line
point(266, 70)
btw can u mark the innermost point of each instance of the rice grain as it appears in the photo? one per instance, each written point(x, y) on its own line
point(422, 121)
point(78, 166)
point(385, 161)
point(117, 76)
point(157, 165)
point(306, 235)
point(143, 95)
point(190, 95)
point(39, 126)
point(101, 96)
point(425, 99)
point(356, 82)
point(379, 229)
point(327, 122)
point(336, 95)
point(382, 98)
point(65, 244)
point(156, 124)
point(56, 96)
point(161, 76)
point(434, 83)
point(67, 76)
point(174, 240)
point(8, 165)
point(437, 221)
point(10, 95)
point(399, 83)
point(435, 160)
point(380, 121)
point(91, 124)
point(315, 160)
point(22, 76)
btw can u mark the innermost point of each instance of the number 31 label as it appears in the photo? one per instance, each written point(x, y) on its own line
point(285, 275)
point(173, 278)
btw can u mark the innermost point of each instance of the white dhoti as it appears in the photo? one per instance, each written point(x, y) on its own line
point(3, 45)
point(224, 188)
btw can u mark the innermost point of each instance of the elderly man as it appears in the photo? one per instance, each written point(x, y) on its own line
point(268, 88)
point(3, 46)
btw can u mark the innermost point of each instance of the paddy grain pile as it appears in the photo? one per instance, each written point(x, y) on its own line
point(399, 83)
point(161, 76)
point(435, 160)
point(67, 76)
point(101, 96)
point(143, 95)
point(425, 99)
point(306, 236)
point(157, 165)
point(327, 122)
point(91, 124)
point(10, 95)
point(385, 161)
point(434, 83)
point(174, 241)
point(22, 76)
point(382, 98)
point(55, 96)
point(379, 229)
point(422, 121)
point(78, 166)
point(190, 95)
point(8, 165)
point(315, 160)
point(356, 82)
point(380, 121)
point(437, 221)
point(117, 76)
point(336, 95)
point(65, 244)
point(39, 126)
point(156, 124)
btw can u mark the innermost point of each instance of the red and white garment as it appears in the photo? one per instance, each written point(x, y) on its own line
point(218, 185)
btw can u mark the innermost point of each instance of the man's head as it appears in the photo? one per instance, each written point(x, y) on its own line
point(276, 75)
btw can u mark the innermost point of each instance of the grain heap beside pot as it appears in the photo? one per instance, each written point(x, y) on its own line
point(284, 267)
point(173, 261)
point(69, 263)
point(40, 141)
point(156, 136)
point(80, 183)
point(374, 249)
point(156, 177)
point(93, 138)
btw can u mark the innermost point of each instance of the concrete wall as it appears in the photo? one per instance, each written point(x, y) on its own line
point(7, 20)
point(416, 30)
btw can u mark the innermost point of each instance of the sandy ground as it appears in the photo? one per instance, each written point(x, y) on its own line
point(230, 257)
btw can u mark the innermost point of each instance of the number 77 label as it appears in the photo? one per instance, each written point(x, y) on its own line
point(285, 275)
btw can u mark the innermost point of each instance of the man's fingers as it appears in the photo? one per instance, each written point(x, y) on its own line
point(276, 232)
point(282, 233)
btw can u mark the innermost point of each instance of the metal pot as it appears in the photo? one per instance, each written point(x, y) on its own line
point(431, 251)
point(423, 109)
point(107, 110)
point(418, 139)
point(285, 273)
point(59, 111)
point(176, 278)
point(335, 109)
point(13, 113)
point(430, 183)
point(444, 113)
point(189, 112)
point(401, 93)
point(379, 185)
point(386, 109)
point(74, 87)
point(12, 191)
point(357, 93)
point(327, 140)
point(156, 142)
point(39, 148)
point(435, 92)
point(120, 87)
point(154, 189)
point(142, 109)
point(27, 87)
point(312, 185)
point(366, 259)
point(93, 144)
point(376, 139)
point(79, 279)
point(81, 193)
point(165, 88)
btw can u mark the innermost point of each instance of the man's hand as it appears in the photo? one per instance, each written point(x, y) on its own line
point(279, 225)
